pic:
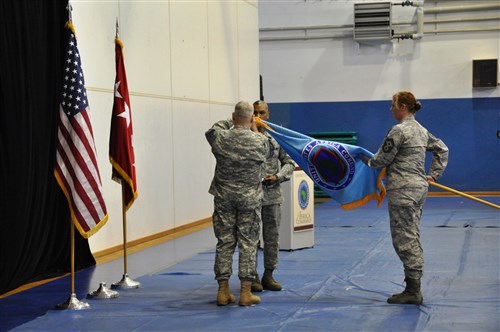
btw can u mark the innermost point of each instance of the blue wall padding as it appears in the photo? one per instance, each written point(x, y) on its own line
point(468, 126)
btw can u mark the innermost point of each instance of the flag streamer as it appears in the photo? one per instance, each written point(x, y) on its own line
point(336, 168)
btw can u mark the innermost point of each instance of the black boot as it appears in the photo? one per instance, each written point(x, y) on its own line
point(411, 295)
point(268, 281)
point(256, 285)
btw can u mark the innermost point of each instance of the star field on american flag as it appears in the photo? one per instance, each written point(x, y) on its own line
point(74, 96)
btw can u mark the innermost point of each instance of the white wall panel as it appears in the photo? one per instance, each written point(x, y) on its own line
point(189, 50)
point(191, 157)
point(145, 32)
point(153, 211)
point(153, 145)
point(302, 13)
point(95, 34)
point(223, 51)
point(220, 112)
point(248, 43)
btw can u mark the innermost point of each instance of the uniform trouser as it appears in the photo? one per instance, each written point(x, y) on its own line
point(271, 218)
point(235, 223)
point(405, 210)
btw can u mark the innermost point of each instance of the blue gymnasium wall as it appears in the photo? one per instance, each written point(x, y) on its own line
point(468, 127)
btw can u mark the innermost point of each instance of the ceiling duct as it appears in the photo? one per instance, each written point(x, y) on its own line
point(372, 21)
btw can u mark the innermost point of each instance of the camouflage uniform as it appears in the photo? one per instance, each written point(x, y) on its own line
point(237, 191)
point(403, 155)
point(281, 165)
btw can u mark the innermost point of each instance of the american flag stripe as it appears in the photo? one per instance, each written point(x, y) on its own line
point(75, 213)
point(81, 203)
point(81, 180)
point(88, 160)
point(76, 170)
point(82, 172)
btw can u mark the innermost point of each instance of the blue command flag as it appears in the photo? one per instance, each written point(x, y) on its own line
point(336, 168)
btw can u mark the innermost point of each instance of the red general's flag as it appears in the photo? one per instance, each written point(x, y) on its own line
point(76, 169)
point(121, 150)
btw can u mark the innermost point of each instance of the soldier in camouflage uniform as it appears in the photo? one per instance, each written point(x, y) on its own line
point(277, 169)
point(403, 155)
point(240, 152)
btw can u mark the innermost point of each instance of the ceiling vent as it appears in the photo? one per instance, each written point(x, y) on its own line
point(372, 22)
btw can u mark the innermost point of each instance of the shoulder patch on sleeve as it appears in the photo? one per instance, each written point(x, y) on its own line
point(388, 145)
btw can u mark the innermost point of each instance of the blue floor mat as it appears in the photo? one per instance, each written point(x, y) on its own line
point(340, 284)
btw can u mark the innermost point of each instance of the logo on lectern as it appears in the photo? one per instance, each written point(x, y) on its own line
point(303, 193)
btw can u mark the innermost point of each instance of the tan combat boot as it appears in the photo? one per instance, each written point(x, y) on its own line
point(268, 281)
point(246, 297)
point(224, 297)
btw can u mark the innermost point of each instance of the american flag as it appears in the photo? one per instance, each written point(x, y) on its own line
point(121, 150)
point(76, 167)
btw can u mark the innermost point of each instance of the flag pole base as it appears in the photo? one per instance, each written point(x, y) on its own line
point(73, 304)
point(103, 293)
point(126, 283)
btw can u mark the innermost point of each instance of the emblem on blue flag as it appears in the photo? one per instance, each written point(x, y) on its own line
point(330, 164)
point(335, 167)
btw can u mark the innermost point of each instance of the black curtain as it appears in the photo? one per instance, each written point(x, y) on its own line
point(34, 213)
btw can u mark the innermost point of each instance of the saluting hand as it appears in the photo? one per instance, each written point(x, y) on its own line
point(254, 125)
